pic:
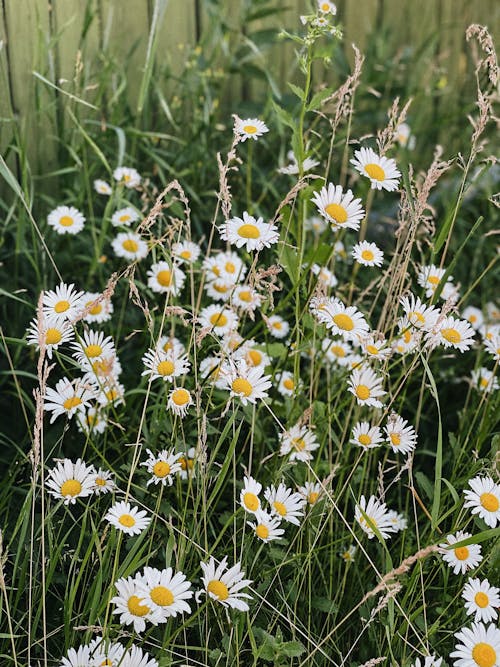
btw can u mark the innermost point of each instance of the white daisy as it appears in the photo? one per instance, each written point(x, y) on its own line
point(429, 661)
point(225, 586)
point(137, 657)
point(381, 171)
point(99, 308)
point(409, 340)
point(186, 252)
point(349, 554)
point(68, 397)
point(211, 368)
point(405, 138)
point(299, 442)
point(171, 344)
point(246, 383)
point(492, 311)
point(419, 314)
point(124, 217)
point(478, 646)
point(187, 463)
point(102, 187)
point(249, 496)
point(401, 435)
point(312, 492)
point(111, 392)
point(398, 521)
point(227, 266)
point(102, 482)
point(165, 591)
point(77, 657)
point(484, 380)
point(366, 387)
point(92, 346)
point(246, 298)
point(346, 321)
point(461, 559)
point(50, 333)
point(336, 351)
point(285, 503)
point(105, 653)
point(474, 317)
point(325, 276)
point(130, 246)
point(166, 279)
point(492, 345)
point(162, 467)
point(481, 599)
point(164, 365)
point(430, 277)
point(340, 209)
point(179, 401)
point(128, 176)
point(374, 515)
point(366, 436)
point(91, 421)
point(250, 232)
point(219, 320)
point(315, 224)
point(266, 527)
point(249, 128)
point(293, 166)
point(130, 520)
point(219, 289)
point(484, 499)
point(132, 607)
point(375, 348)
point(451, 332)
point(252, 354)
point(63, 303)
point(490, 332)
point(66, 220)
point(368, 254)
point(327, 7)
point(286, 385)
point(70, 481)
point(278, 327)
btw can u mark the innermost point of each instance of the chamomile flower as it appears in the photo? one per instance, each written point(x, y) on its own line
point(293, 166)
point(286, 384)
point(278, 327)
point(166, 279)
point(366, 436)
point(349, 554)
point(401, 435)
point(285, 503)
point(225, 585)
point(492, 345)
point(325, 276)
point(418, 314)
point(368, 254)
point(92, 346)
point(69, 481)
point(478, 646)
point(339, 208)
point(315, 224)
point(165, 591)
point(474, 317)
point(99, 308)
point(128, 176)
point(381, 171)
point(336, 351)
point(91, 421)
point(124, 217)
point(225, 266)
point(179, 401)
point(49, 334)
point(105, 653)
point(135, 656)
point(366, 387)
point(162, 467)
point(187, 462)
point(164, 365)
point(131, 605)
point(246, 383)
point(186, 252)
point(481, 599)
point(266, 527)
point(346, 321)
point(79, 657)
point(375, 348)
point(461, 559)
point(484, 380)
point(429, 661)
point(430, 277)
point(312, 492)
point(170, 345)
point(249, 128)
point(130, 246)
point(246, 298)
point(327, 7)
point(451, 332)
point(63, 303)
point(66, 220)
point(130, 520)
point(102, 187)
point(299, 442)
point(254, 234)
point(103, 482)
point(68, 397)
point(220, 320)
point(484, 499)
point(249, 496)
point(374, 515)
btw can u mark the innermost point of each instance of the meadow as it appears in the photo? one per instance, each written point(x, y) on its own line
point(250, 350)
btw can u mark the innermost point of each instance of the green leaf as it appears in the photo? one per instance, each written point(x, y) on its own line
point(318, 98)
point(292, 649)
point(298, 91)
point(283, 115)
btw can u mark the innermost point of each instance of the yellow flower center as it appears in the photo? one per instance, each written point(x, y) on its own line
point(168, 346)
point(112, 394)
point(249, 231)
point(484, 382)
point(180, 397)
point(365, 439)
point(135, 607)
point(62, 306)
point(161, 469)
point(462, 553)
point(484, 655)
point(433, 280)
point(298, 444)
point(124, 218)
point(126, 177)
point(416, 318)
point(52, 337)
point(162, 596)
point(107, 662)
point(472, 319)
point(72, 402)
point(95, 310)
point(130, 245)
point(218, 320)
point(337, 213)
point(66, 221)
point(249, 129)
point(371, 349)
point(343, 321)
point(242, 386)
point(221, 288)
point(451, 335)
point(100, 481)
point(312, 497)
point(395, 439)
point(363, 392)
point(325, 7)
point(185, 254)
point(246, 296)
point(481, 599)
point(186, 463)
point(262, 531)
point(218, 588)
point(251, 501)
point(375, 171)
point(277, 325)
point(254, 357)
point(289, 384)
point(367, 255)
point(93, 350)
point(71, 487)
point(337, 350)
point(407, 337)
point(165, 368)
point(230, 267)
point(490, 502)
point(164, 278)
point(280, 508)
point(127, 520)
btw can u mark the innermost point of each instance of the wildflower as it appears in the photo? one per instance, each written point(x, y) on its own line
point(70, 481)
point(490, 332)
point(372, 516)
point(225, 586)
point(299, 442)
point(481, 599)
point(220, 320)
point(381, 171)
point(130, 520)
point(254, 357)
point(325, 276)
point(227, 266)
point(187, 462)
point(67, 398)
point(327, 7)
point(99, 311)
point(492, 311)
point(484, 499)
point(124, 217)
point(164, 365)
point(366, 436)
point(286, 384)
point(102, 187)
point(278, 327)
point(479, 646)
point(405, 138)
point(111, 392)
point(315, 224)
point(186, 251)
point(474, 317)
point(461, 559)
point(179, 401)
point(429, 661)
point(211, 368)
point(430, 278)
point(105, 653)
point(254, 234)
point(285, 503)
point(137, 657)
point(162, 467)
point(103, 482)
point(63, 303)
point(366, 387)
point(340, 209)
point(418, 314)
point(249, 128)
point(128, 176)
point(368, 254)
point(165, 591)
point(249, 496)
point(450, 332)
point(92, 346)
point(132, 606)
point(246, 298)
point(91, 421)
point(375, 349)
point(219, 290)
point(266, 527)
point(49, 333)
point(492, 345)
point(401, 435)
point(248, 384)
point(349, 554)
point(312, 492)
point(170, 345)
point(66, 220)
point(484, 380)
point(340, 319)
point(166, 279)
point(130, 246)
point(293, 166)
point(77, 657)
point(336, 351)
point(398, 521)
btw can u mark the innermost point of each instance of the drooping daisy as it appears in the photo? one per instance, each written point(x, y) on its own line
point(349, 554)
point(489, 332)
point(130, 246)
point(124, 217)
point(103, 482)
point(481, 599)
point(92, 346)
point(70, 481)
point(484, 380)
point(399, 521)
point(250, 232)
point(249, 128)
point(266, 527)
point(165, 591)
point(128, 176)
point(68, 397)
point(409, 340)
point(99, 308)
point(212, 369)
point(166, 279)
point(340, 209)
point(278, 327)
point(285, 503)
point(186, 252)
point(50, 334)
point(401, 435)
point(66, 220)
point(346, 321)
point(405, 138)
point(132, 606)
point(172, 345)
point(91, 421)
point(179, 401)
point(162, 467)
point(492, 345)
point(315, 224)
point(246, 298)
point(430, 277)
point(366, 436)
point(225, 586)
point(63, 303)
point(299, 442)
point(374, 515)
point(451, 332)
point(130, 520)
point(219, 289)
point(164, 365)
point(187, 462)
point(484, 499)
point(293, 166)
point(102, 187)
point(227, 266)
point(327, 7)
point(381, 171)
point(474, 317)
point(249, 496)
point(336, 351)
point(461, 559)
point(368, 254)
point(220, 320)
point(478, 646)
point(375, 348)
point(325, 276)
point(418, 314)
point(246, 383)
point(366, 387)
point(312, 492)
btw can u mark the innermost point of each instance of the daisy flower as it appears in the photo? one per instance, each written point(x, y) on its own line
point(251, 353)
point(165, 591)
point(366, 387)
point(315, 224)
point(327, 7)
point(102, 482)
point(246, 298)
point(226, 266)
point(51, 334)
point(102, 187)
point(492, 345)
point(247, 383)
point(225, 586)
point(187, 462)
point(69, 481)
point(418, 314)
point(249, 128)
point(312, 492)
point(451, 332)
point(430, 277)
point(128, 176)
point(162, 467)
point(484, 380)
point(137, 657)
point(401, 435)
point(66, 220)
point(478, 646)
point(63, 303)
point(489, 332)
point(130, 246)
point(325, 276)
point(278, 327)
point(124, 217)
point(211, 369)
point(405, 138)
point(250, 232)
point(110, 392)
point(346, 321)
point(375, 348)
point(481, 599)
point(293, 166)
point(399, 521)
point(219, 319)
point(105, 653)
point(348, 555)
point(299, 442)
point(474, 317)
point(170, 344)
point(266, 527)
point(179, 401)
point(164, 365)
point(92, 421)
point(77, 657)
point(429, 661)
point(132, 607)
point(166, 279)
point(286, 384)
point(336, 351)
point(100, 309)
point(68, 397)
point(249, 496)
point(372, 516)
point(92, 346)
point(340, 209)
point(366, 436)
point(493, 311)
point(130, 520)
point(218, 289)
point(285, 503)
point(368, 254)
point(484, 499)
point(381, 171)
point(461, 559)
point(186, 251)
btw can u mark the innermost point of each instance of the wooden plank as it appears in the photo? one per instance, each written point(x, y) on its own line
point(7, 113)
